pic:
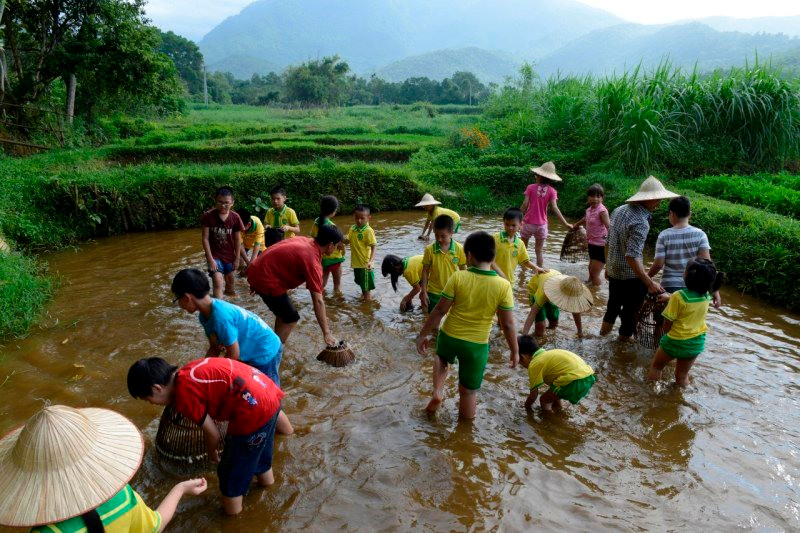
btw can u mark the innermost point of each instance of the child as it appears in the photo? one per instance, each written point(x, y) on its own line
point(222, 240)
point(538, 197)
point(434, 210)
point(361, 239)
point(242, 333)
point(510, 249)
point(217, 389)
point(68, 470)
point(440, 260)
point(331, 263)
point(411, 269)
point(597, 224)
point(568, 376)
point(552, 291)
point(280, 215)
point(677, 245)
point(685, 322)
point(470, 300)
point(252, 236)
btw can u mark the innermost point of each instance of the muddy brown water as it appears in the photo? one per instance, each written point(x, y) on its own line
point(722, 454)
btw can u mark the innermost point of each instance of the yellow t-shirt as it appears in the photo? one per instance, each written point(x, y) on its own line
point(255, 235)
point(556, 367)
point(476, 295)
point(439, 210)
point(285, 217)
point(687, 310)
point(509, 254)
point(124, 512)
point(536, 287)
point(412, 269)
point(443, 263)
point(338, 255)
point(361, 240)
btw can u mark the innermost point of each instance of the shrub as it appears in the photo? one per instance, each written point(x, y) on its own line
point(750, 191)
point(469, 138)
point(24, 289)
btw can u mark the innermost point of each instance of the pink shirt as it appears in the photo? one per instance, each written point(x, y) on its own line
point(539, 197)
point(596, 232)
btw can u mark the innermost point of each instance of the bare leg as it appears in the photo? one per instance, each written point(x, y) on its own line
point(265, 479)
point(549, 401)
point(337, 280)
point(283, 330)
point(682, 367)
point(439, 376)
point(539, 252)
point(230, 284)
point(325, 275)
point(232, 506)
point(538, 329)
point(595, 268)
point(217, 280)
point(467, 403)
point(660, 360)
point(283, 426)
point(552, 324)
point(367, 295)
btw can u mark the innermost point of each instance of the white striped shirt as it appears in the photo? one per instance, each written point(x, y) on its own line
point(677, 246)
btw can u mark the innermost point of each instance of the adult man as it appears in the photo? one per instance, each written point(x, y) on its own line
point(287, 265)
point(628, 282)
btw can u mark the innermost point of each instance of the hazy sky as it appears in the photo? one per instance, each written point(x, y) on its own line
point(195, 18)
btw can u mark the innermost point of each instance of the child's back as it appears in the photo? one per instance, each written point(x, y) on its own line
point(536, 287)
point(476, 295)
point(677, 246)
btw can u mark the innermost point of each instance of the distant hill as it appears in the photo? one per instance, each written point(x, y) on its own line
point(488, 66)
point(786, 25)
point(242, 66)
point(370, 34)
point(622, 47)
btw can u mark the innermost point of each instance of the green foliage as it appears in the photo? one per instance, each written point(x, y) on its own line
point(187, 59)
point(24, 289)
point(319, 82)
point(750, 191)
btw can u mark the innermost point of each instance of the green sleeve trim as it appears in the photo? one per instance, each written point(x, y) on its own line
point(448, 296)
point(537, 386)
point(504, 308)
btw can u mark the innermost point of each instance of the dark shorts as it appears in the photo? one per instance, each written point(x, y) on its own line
point(222, 268)
point(365, 279)
point(245, 456)
point(597, 252)
point(282, 307)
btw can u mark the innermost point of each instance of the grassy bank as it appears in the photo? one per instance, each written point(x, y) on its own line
point(24, 290)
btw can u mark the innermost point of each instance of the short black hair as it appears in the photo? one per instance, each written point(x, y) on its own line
point(527, 345)
point(444, 222)
point(392, 265)
point(245, 215)
point(224, 191)
point(192, 281)
point(272, 236)
point(512, 213)
point(145, 373)
point(328, 234)
point(481, 245)
point(362, 208)
point(681, 206)
point(596, 189)
point(328, 205)
point(277, 190)
point(701, 276)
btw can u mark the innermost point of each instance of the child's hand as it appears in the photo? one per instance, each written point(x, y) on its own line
point(422, 344)
point(423, 237)
point(194, 486)
point(369, 265)
point(514, 360)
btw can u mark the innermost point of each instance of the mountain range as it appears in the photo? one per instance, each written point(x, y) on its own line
point(397, 39)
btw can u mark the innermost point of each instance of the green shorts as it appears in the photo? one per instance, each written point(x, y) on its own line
point(328, 261)
point(574, 391)
point(433, 299)
point(550, 312)
point(684, 348)
point(365, 279)
point(472, 358)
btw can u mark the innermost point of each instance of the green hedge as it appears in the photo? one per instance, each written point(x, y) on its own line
point(759, 251)
point(749, 191)
point(23, 292)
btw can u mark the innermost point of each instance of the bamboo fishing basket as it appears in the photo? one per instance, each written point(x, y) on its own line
point(180, 440)
point(576, 246)
point(649, 322)
point(338, 355)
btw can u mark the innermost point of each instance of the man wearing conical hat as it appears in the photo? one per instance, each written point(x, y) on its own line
point(628, 282)
point(68, 470)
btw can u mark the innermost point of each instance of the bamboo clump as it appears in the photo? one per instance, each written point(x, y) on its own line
point(338, 355)
point(576, 246)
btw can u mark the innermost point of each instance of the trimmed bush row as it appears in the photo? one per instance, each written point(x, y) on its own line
point(767, 265)
point(257, 153)
point(750, 191)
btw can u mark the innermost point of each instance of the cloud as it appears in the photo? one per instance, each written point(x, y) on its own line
point(192, 18)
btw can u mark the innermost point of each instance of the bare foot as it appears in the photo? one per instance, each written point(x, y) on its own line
point(557, 405)
point(547, 407)
point(434, 404)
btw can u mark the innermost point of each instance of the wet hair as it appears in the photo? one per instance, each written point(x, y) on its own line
point(147, 372)
point(224, 191)
point(596, 189)
point(277, 190)
point(512, 213)
point(328, 205)
point(245, 215)
point(527, 345)
point(702, 276)
point(681, 206)
point(328, 234)
point(362, 208)
point(392, 265)
point(192, 281)
point(481, 245)
point(443, 222)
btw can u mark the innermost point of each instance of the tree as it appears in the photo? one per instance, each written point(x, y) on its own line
point(187, 59)
point(320, 82)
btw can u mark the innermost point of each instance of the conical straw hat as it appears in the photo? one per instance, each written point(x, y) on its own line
point(548, 170)
point(427, 199)
point(651, 189)
point(569, 294)
point(64, 462)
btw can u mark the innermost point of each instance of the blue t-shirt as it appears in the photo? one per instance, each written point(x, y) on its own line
point(258, 344)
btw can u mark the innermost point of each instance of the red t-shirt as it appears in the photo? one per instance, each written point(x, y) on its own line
point(286, 265)
point(226, 389)
point(220, 234)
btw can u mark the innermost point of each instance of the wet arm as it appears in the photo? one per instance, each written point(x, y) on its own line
point(322, 317)
point(214, 348)
point(207, 248)
point(510, 331)
point(413, 292)
point(529, 319)
point(531, 398)
point(499, 270)
point(433, 321)
point(525, 205)
point(237, 237)
point(716, 297)
point(211, 437)
point(655, 268)
point(232, 351)
point(423, 285)
point(170, 503)
point(605, 220)
point(638, 269)
point(557, 211)
point(581, 222)
point(371, 256)
point(536, 268)
point(426, 229)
